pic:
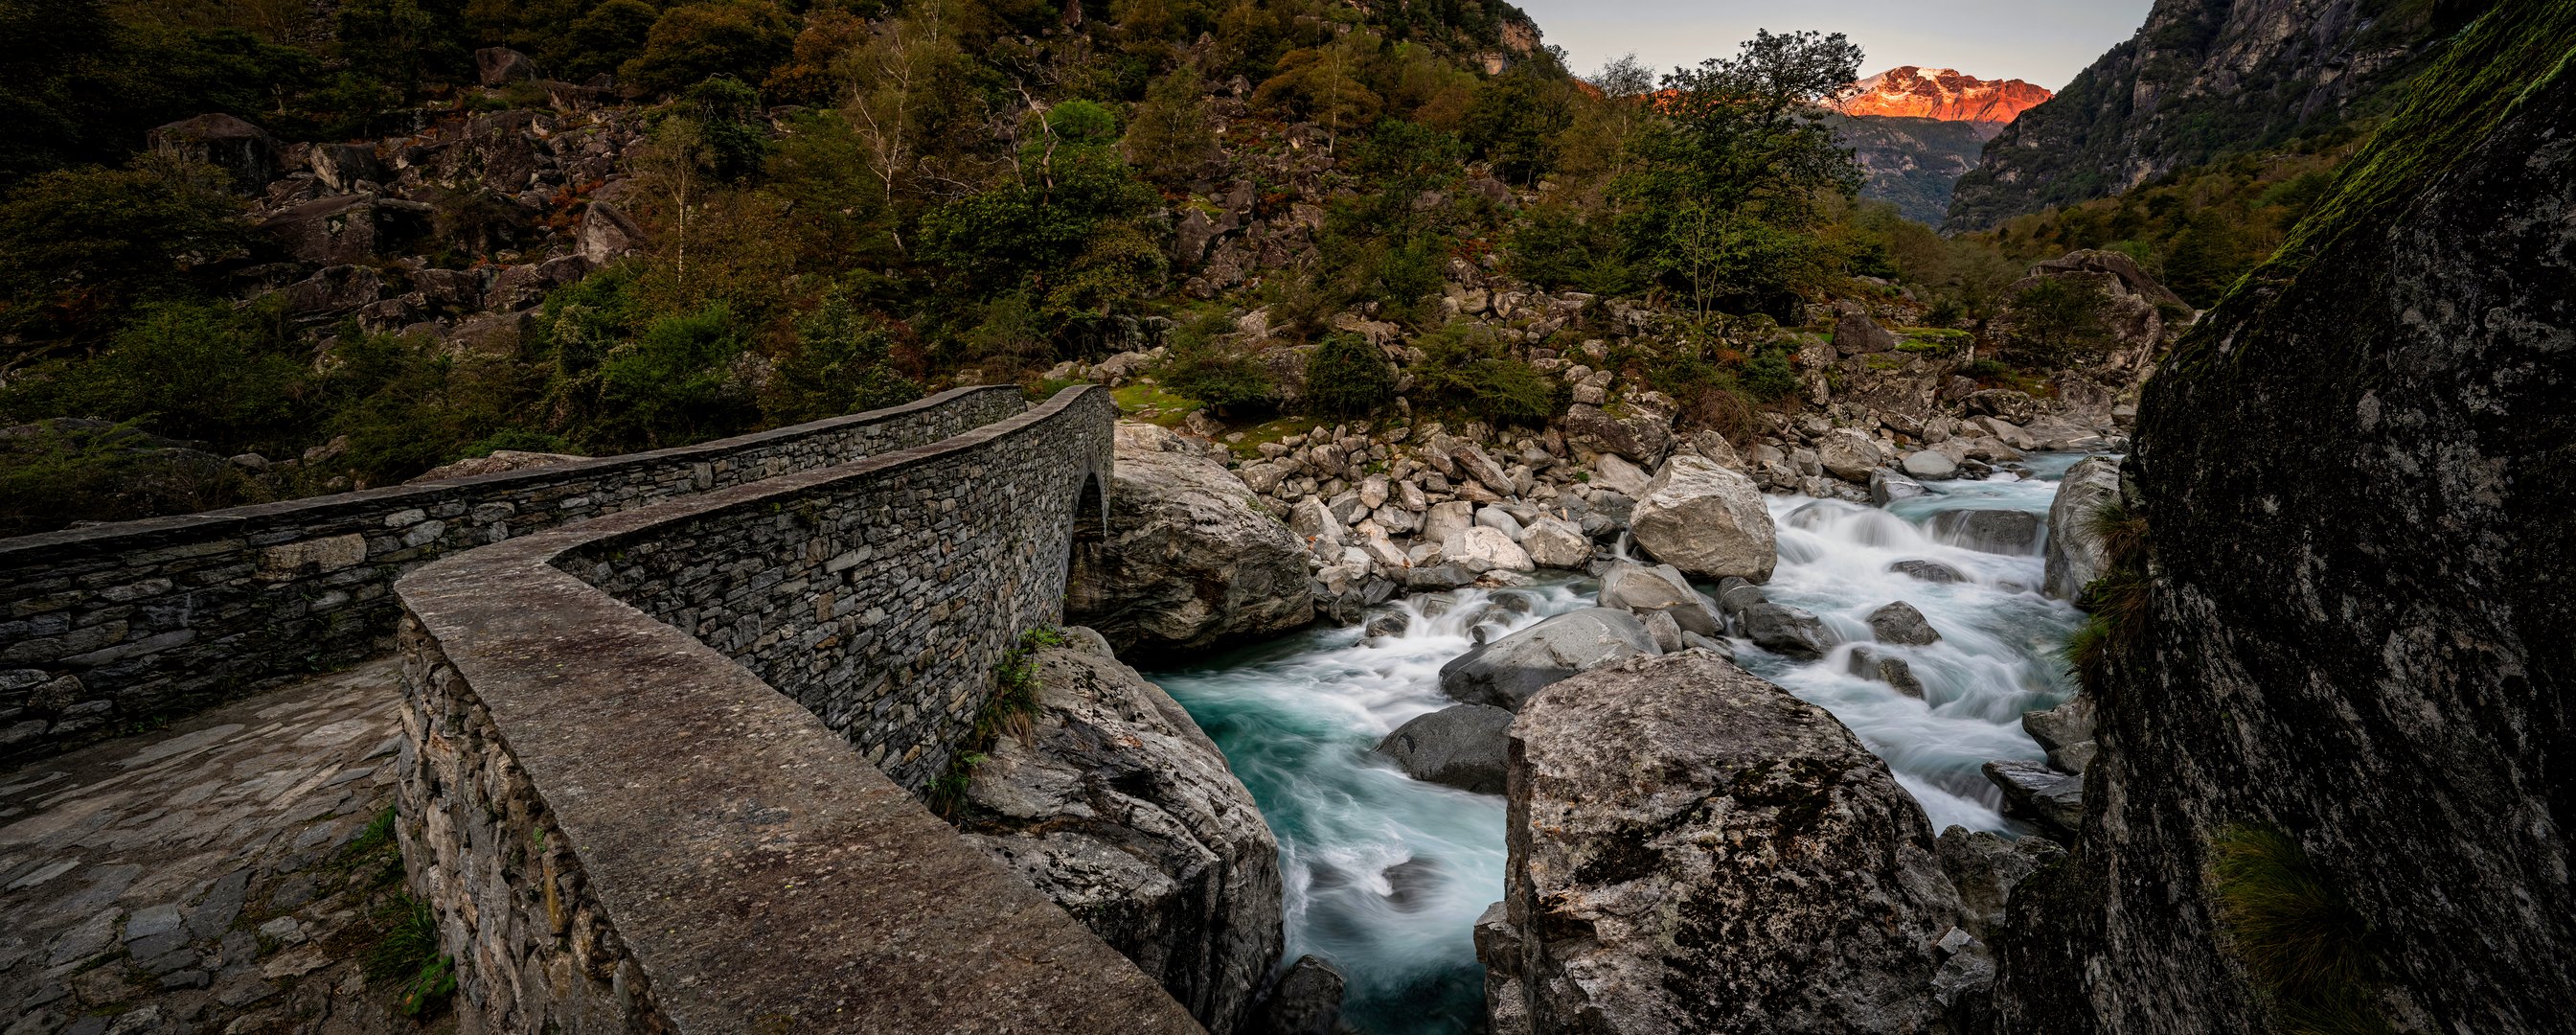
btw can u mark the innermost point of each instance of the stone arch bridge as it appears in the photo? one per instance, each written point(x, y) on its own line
point(665, 718)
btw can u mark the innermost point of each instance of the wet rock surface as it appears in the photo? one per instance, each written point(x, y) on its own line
point(1123, 812)
point(217, 875)
point(1465, 746)
point(2315, 656)
point(1508, 671)
point(1693, 849)
point(1189, 558)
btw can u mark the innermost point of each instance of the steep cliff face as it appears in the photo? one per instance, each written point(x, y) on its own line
point(1912, 162)
point(1940, 93)
point(2355, 655)
point(2202, 79)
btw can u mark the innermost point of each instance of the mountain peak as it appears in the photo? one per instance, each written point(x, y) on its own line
point(1940, 93)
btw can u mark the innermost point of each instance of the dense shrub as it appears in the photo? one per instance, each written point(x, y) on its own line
point(1202, 366)
point(1348, 377)
point(1468, 369)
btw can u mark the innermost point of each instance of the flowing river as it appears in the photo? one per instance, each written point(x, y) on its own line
point(1386, 875)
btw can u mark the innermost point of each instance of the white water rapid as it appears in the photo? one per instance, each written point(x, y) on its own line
point(1386, 875)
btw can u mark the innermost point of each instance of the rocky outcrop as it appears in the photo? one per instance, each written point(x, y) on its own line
point(497, 461)
point(2076, 555)
point(1706, 520)
point(1462, 746)
point(1695, 850)
point(1189, 559)
point(1508, 671)
point(2353, 654)
point(1118, 808)
point(1944, 94)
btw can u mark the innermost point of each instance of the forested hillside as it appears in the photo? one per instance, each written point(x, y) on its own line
point(258, 250)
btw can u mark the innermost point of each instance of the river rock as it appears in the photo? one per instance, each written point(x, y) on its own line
point(1901, 623)
point(2035, 791)
point(1459, 746)
point(1638, 589)
point(1988, 531)
point(1628, 428)
point(1849, 455)
point(1928, 571)
point(1985, 867)
point(1122, 811)
point(1552, 545)
point(1893, 671)
point(2076, 555)
point(1447, 519)
point(1886, 486)
point(1614, 472)
point(1706, 520)
point(1506, 672)
point(1482, 549)
point(1190, 558)
point(1929, 464)
point(1790, 632)
point(1856, 334)
point(1306, 1001)
point(1501, 521)
point(1823, 911)
point(2069, 723)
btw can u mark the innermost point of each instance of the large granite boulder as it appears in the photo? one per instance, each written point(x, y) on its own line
point(1706, 520)
point(1190, 559)
point(1641, 590)
point(1632, 428)
point(244, 151)
point(1988, 531)
point(1695, 850)
point(346, 229)
point(1462, 746)
point(1506, 672)
point(2076, 555)
point(1122, 811)
point(2356, 491)
point(1849, 455)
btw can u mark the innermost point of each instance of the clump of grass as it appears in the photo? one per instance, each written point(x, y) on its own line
point(374, 855)
point(2301, 940)
point(1011, 708)
point(407, 955)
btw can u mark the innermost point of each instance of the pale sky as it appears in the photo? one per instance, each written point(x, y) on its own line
point(2044, 42)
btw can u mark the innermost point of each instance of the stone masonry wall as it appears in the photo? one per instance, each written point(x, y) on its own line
point(104, 627)
point(882, 603)
point(623, 827)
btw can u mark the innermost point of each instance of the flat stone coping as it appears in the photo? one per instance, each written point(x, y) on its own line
point(146, 533)
point(758, 870)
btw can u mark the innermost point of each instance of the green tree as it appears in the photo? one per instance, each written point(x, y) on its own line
point(842, 363)
point(608, 37)
point(673, 384)
point(2058, 321)
point(693, 42)
point(1172, 138)
point(1518, 116)
point(406, 43)
point(1730, 175)
point(79, 245)
point(202, 371)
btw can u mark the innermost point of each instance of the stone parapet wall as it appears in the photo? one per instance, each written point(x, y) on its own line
point(105, 627)
point(630, 791)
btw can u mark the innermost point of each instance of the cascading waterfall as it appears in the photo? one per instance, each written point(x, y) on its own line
point(1386, 875)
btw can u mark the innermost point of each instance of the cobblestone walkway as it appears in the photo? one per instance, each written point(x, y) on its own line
point(215, 876)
